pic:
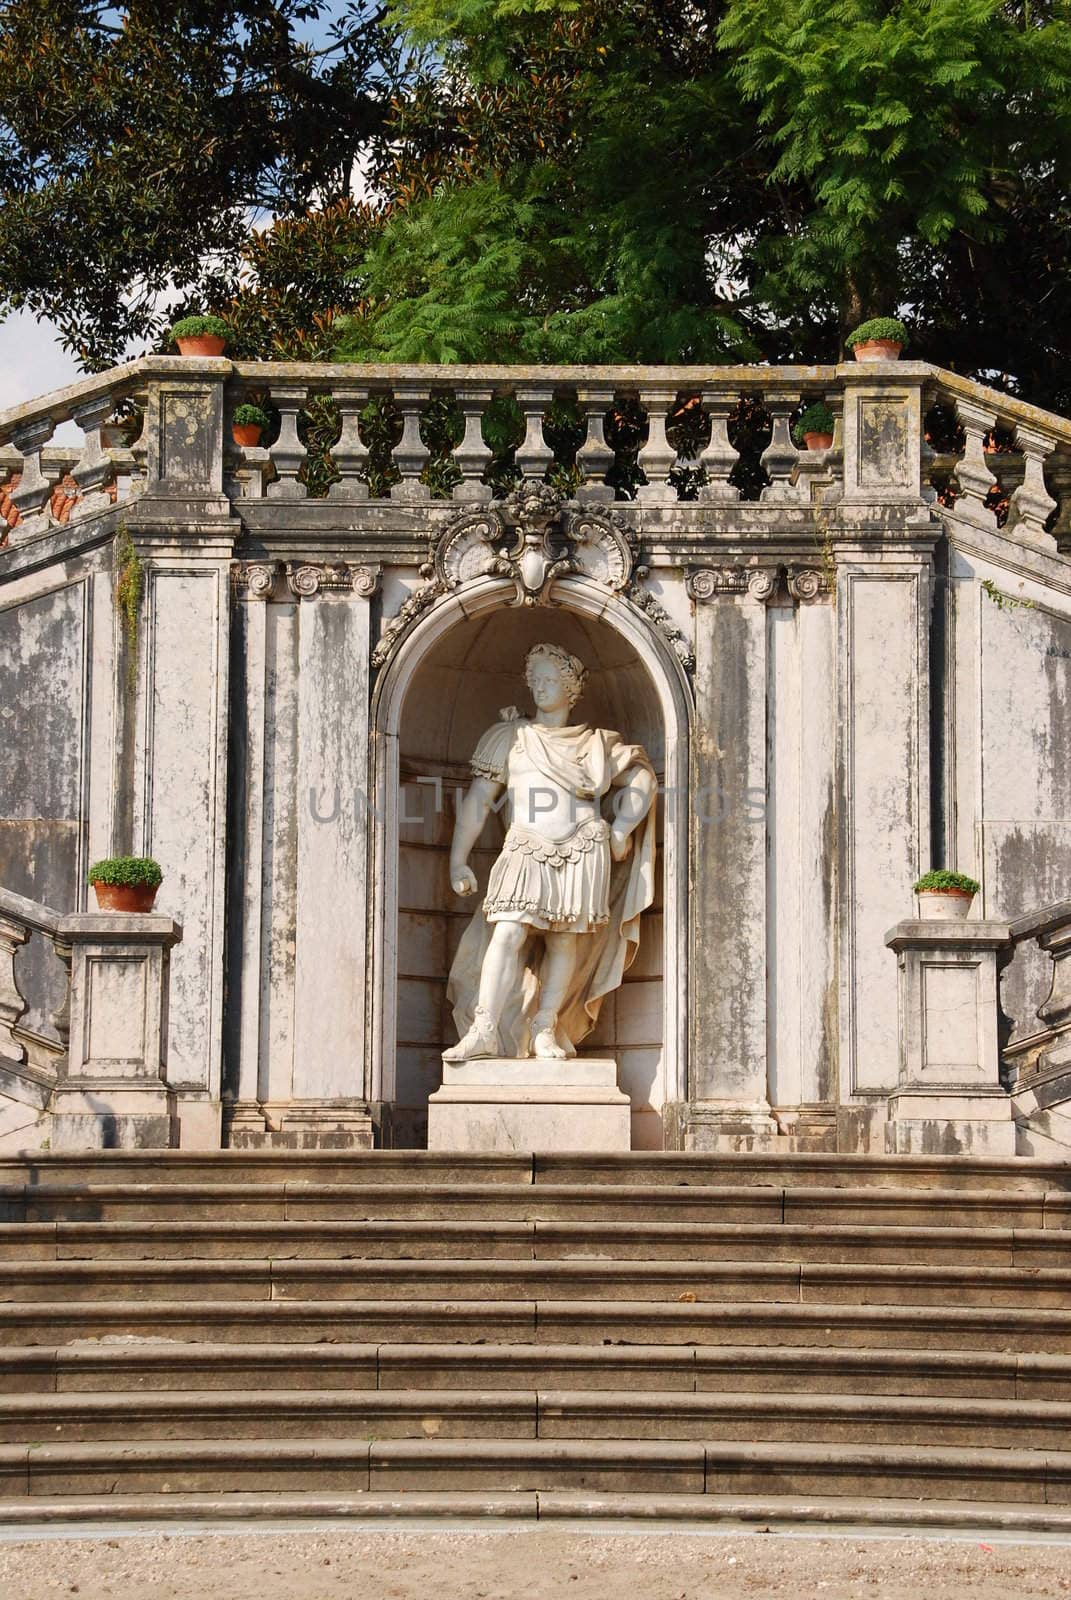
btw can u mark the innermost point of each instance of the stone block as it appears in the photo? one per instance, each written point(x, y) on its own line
point(518, 1105)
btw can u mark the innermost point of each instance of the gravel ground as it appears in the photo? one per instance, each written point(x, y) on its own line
point(335, 1565)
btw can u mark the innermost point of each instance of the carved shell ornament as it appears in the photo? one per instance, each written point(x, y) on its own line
point(533, 539)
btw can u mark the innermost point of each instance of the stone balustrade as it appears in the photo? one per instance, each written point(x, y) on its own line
point(722, 437)
point(1011, 466)
point(1047, 1052)
point(27, 1085)
point(109, 1087)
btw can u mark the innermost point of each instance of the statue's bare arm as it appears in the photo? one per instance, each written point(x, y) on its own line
point(482, 794)
point(642, 786)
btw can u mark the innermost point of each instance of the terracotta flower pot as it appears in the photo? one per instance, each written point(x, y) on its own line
point(944, 905)
point(877, 350)
point(201, 344)
point(247, 434)
point(137, 897)
point(818, 441)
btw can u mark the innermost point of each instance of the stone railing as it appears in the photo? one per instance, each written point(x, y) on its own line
point(1009, 467)
point(718, 436)
point(30, 1084)
point(108, 1087)
point(1046, 1054)
point(659, 395)
point(45, 485)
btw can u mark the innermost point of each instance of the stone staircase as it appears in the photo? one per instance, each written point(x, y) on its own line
point(759, 1339)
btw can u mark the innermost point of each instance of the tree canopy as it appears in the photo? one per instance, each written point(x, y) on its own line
point(139, 142)
point(604, 180)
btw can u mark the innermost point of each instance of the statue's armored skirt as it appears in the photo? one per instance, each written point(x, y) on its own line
point(558, 886)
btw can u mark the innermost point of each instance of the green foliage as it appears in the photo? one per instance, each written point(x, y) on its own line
point(940, 879)
point(641, 180)
point(248, 415)
point(190, 327)
point(129, 872)
point(129, 580)
point(1004, 601)
point(878, 328)
point(138, 139)
point(661, 180)
point(817, 418)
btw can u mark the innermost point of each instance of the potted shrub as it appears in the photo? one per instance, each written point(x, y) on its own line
point(880, 339)
point(200, 336)
point(944, 896)
point(815, 427)
point(248, 423)
point(126, 883)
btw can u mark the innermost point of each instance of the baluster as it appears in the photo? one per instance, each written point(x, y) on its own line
point(719, 458)
point(32, 497)
point(1060, 478)
point(781, 458)
point(1055, 1011)
point(534, 455)
point(472, 455)
point(139, 447)
point(657, 458)
point(288, 452)
point(595, 457)
point(94, 468)
point(1031, 504)
point(12, 1005)
point(972, 473)
point(61, 1017)
point(411, 454)
point(350, 454)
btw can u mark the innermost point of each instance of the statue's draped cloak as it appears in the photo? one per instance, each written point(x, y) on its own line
point(588, 762)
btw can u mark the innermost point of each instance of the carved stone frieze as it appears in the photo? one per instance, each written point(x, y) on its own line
point(529, 537)
point(676, 638)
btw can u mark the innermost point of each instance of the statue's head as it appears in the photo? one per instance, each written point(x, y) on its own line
point(543, 660)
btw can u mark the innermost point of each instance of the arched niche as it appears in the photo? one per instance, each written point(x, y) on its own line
point(446, 684)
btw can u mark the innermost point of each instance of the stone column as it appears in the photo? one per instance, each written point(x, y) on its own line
point(949, 1099)
point(729, 1103)
point(114, 1093)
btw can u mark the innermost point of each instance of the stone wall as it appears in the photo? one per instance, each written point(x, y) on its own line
point(841, 683)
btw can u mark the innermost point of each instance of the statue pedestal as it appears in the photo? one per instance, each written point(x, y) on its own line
point(501, 1103)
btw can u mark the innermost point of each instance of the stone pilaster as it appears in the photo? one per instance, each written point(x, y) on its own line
point(729, 1103)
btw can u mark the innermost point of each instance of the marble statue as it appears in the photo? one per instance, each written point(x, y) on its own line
point(560, 920)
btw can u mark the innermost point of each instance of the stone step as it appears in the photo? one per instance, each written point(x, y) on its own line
point(319, 1279)
point(402, 1466)
point(1012, 1328)
point(535, 1240)
point(147, 1365)
point(1017, 1175)
point(518, 1414)
point(503, 1201)
point(806, 1513)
